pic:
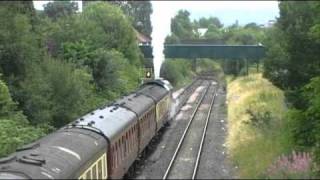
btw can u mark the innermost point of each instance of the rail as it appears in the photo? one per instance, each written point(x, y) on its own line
point(185, 132)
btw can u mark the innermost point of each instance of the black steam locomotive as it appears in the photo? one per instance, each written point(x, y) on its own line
point(100, 145)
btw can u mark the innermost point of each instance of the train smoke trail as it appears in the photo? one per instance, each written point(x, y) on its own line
point(160, 29)
point(174, 108)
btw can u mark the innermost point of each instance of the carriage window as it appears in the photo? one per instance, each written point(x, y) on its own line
point(104, 166)
point(116, 155)
point(94, 172)
point(123, 147)
point(111, 157)
point(88, 174)
point(127, 142)
point(99, 169)
point(119, 150)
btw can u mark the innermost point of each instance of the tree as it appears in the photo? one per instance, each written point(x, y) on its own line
point(8, 108)
point(214, 34)
point(140, 12)
point(176, 71)
point(306, 123)
point(302, 58)
point(104, 26)
point(18, 41)
point(108, 68)
point(15, 134)
point(300, 46)
point(276, 63)
point(181, 25)
point(206, 22)
point(15, 130)
point(293, 64)
point(252, 25)
point(56, 92)
point(57, 9)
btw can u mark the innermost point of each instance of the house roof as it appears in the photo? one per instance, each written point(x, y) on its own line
point(142, 38)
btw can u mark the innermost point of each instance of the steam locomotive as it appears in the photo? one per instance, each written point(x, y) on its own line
point(103, 144)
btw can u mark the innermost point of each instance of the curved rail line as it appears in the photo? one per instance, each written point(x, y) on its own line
point(173, 159)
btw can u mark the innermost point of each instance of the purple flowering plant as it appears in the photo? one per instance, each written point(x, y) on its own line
point(297, 165)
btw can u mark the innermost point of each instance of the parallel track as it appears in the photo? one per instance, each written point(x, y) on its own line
point(185, 160)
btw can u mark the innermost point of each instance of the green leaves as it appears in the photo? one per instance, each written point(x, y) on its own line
point(60, 64)
point(14, 134)
point(293, 64)
point(58, 9)
point(6, 103)
point(105, 26)
point(14, 128)
point(17, 42)
point(139, 13)
point(57, 92)
point(176, 71)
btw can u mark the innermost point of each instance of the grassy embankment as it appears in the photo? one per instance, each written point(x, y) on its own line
point(257, 129)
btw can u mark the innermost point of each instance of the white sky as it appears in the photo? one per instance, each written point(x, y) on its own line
point(228, 12)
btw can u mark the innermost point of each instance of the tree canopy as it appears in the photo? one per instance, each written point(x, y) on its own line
point(59, 64)
point(57, 9)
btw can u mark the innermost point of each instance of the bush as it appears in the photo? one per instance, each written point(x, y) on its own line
point(112, 73)
point(258, 131)
point(14, 134)
point(293, 166)
point(14, 127)
point(209, 66)
point(177, 71)
point(306, 124)
point(8, 108)
point(105, 26)
point(56, 92)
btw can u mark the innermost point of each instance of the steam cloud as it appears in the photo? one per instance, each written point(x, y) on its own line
point(174, 108)
point(160, 29)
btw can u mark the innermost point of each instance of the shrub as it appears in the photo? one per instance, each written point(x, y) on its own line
point(306, 123)
point(14, 134)
point(293, 166)
point(55, 92)
point(258, 131)
point(8, 108)
point(177, 71)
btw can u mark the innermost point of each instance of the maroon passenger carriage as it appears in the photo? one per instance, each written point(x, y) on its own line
point(102, 144)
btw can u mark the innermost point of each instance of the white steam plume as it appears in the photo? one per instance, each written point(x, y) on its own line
point(174, 108)
point(160, 29)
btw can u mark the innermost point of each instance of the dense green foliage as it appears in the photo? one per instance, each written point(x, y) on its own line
point(56, 92)
point(258, 132)
point(60, 9)
point(293, 65)
point(14, 127)
point(177, 71)
point(138, 12)
point(18, 45)
point(58, 64)
point(306, 122)
point(185, 31)
point(181, 72)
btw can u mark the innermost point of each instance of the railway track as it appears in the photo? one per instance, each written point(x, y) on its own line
point(186, 158)
point(184, 96)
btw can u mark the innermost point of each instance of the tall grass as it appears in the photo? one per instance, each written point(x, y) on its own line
point(258, 132)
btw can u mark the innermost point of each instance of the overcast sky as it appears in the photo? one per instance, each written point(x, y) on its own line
point(228, 11)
